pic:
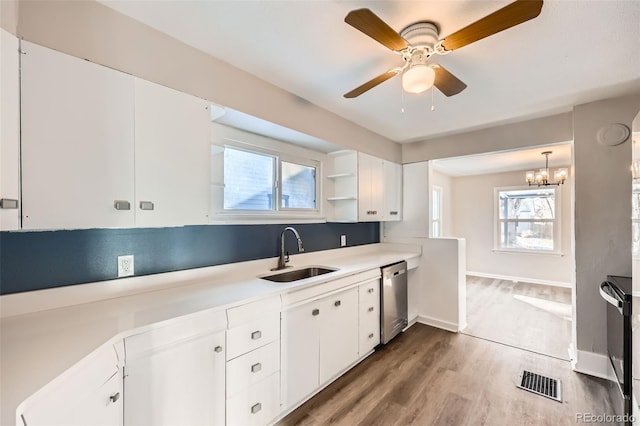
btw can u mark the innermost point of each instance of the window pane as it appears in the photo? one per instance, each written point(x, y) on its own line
point(526, 235)
point(527, 204)
point(248, 180)
point(435, 228)
point(298, 186)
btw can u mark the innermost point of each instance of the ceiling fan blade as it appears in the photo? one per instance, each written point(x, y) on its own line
point(371, 84)
point(509, 16)
point(366, 21)
point(446, 82)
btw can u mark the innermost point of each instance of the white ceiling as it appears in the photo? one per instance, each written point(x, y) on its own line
point(505, 161)
point(574, 52)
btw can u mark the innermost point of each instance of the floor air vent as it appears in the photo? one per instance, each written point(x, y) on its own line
point(545, 386)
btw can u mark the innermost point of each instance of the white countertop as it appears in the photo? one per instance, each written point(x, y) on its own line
point(43, 333)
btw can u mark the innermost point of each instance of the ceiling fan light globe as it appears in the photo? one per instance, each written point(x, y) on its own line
point(418, 79)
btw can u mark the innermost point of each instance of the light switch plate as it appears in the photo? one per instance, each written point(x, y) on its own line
point(343, 240)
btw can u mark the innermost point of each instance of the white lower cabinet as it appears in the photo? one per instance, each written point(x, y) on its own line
point(319, 341)
point(90, 393)
point(175, 375)
point(369, 315)
point(253, 363)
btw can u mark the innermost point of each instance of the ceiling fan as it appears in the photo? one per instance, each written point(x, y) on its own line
point(419, 41)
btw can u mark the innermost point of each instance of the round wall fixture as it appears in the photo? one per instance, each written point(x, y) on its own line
point(613, 134)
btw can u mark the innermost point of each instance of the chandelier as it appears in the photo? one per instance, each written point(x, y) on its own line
point(541, 177)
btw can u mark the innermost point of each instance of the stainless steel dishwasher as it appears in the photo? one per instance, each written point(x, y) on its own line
point(393, 301)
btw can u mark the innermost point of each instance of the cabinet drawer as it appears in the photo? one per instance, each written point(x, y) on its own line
point(369, 333)
point(369, 292)
point(369, 316)
point(252, 311)
point(248, 369)
point(174, 331)
point(252, 335)
point(258, 405)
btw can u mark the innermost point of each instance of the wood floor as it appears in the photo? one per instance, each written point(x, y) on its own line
point(428, 376)
point(529, 316)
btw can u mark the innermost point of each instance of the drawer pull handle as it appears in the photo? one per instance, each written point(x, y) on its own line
point(114, 397)
point(256, 335)
point(8, 203)
point(371, 336)
point(122, 205)
point(337, 303)
point(146, 205)
point(218, 349)
point(256, 367)
point(370, 290)
point(315, 312)
point(255, 408)
point(371, 309)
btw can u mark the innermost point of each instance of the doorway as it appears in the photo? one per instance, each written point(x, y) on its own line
point(519, 245)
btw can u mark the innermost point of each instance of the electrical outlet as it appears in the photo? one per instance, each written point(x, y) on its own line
point(343, 240)
point(125, 266)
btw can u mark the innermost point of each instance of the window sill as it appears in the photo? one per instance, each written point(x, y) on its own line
point(257, 219)
point(529, 252)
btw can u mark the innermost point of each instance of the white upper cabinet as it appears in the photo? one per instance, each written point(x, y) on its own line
point(103, 149)
point(9, 132)
point(172, 132)
point(77, 142)
point(392, 173)
point(364, 188)
point(370, 188)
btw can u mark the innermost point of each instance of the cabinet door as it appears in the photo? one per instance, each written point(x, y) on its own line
point(89, 393)
point(370, 188)
point(300, 352)
point(181, 383)
point(392, 191)
point(77, 142)
point(9, 132)
point(171, 156)
point(338, 333)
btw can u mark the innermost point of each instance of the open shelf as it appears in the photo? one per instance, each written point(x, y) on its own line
point(341, 198)
point(340, 175)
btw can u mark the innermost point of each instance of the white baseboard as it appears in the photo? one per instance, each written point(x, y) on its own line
point(591, 363)
point(520, 279)
point(434, 322)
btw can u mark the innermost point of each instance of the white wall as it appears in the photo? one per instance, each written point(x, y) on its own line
point(437, 289)
point(473, 217)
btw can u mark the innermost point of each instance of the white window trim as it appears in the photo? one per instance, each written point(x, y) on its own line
point(557, 221)
point(440, 191)
point(277, 215)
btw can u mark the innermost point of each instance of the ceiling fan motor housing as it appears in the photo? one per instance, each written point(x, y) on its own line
point(422, 34)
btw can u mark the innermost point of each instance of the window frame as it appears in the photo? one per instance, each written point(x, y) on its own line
point(556, 221)
point(436, 189)
point(276, 212)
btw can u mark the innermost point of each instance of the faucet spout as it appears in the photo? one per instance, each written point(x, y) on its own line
point(282, 259)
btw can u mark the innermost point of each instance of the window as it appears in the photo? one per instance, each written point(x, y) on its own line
point(527, 220)
point(436, 212)
point(261, 182)
point(248, 180)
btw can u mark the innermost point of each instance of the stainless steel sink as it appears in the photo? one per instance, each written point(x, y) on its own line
point(298, 274)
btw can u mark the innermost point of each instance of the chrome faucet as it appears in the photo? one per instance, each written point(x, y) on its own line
point(283, 259)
